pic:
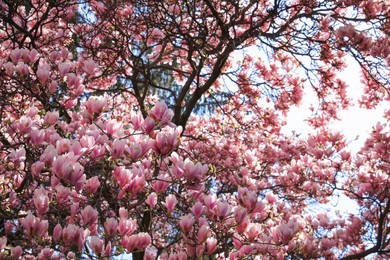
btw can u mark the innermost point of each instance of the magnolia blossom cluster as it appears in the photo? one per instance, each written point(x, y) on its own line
point(94, 166)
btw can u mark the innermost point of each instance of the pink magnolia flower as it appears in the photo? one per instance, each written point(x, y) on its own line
point(43, 74)
point(41, 201)
point(210, 201)
point(37, 136)
point(24, 124)
point(23, 69)
point(51, 118)
point(64, 68)
point(222, 209)
point(148, 125)
point(186, 223)
point(89, 66)
point(89, 215)
point(240, 213)
point(203, 233)
point(126, 226)
point(113, 128)
point(57, 232)
point(16, 252)
point(271, 198)
point(16, 55)
point(111, 225)
point(9, 68)
point(253, 230)
point(46, 253)
point(136, 121)
point(161, 114)
point(87, 142)
point(144, 240)
point(92, 184)
point(200, 250)
point(96, 104)
point(130, 242)
point(282, 233)
point(18, 155)
point(69, 234)
point(53, 86)
point(170, 202)
point(96, 243)
point(81, 236)
point(211, 244)
point(30, 223)
point(123, 212)
point(197, 209)
point(63, 146)
point(117, 148)
point(151, 200)
point(42, 230)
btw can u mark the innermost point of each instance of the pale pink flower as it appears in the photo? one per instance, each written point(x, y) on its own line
point(92, 184)
point(37, 136)
point(57, 232)
point(134, 151)
point(18, 155)
point(24, 124)
point(16, 252)
point(111, 225)
point(144, 240)
point(126, 226)
point(63, 146)
point(113, 128)
point(197, 209)
point(43, 75)
point(186, 223)
point(53, 86)
point(148, 125)
point(46, 253)
point(130, 242)
point(89, 215)
point(123, 212)
point(203, 233)
point(200, 250)
point(89, 66)
point(151, 200)
point(223, 209)
point(210, 201)
point(117, 148)
point(9, 68)
point(16, 55)
point(240, 213)
point(96, 243)
point(170, 202)
point(41, 201)
point(96, 104)
point(70, 103)
point(33, 56)
point(136, 121)
point(271, 198)
point(87, 142)
point(42, 230)
point(64, 68)
point(253, 230)
point(23, 69)
point(30, 223)
point(161, 114)
point(51, 118)
point(211, 244)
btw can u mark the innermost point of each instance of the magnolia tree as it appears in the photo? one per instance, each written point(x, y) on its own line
point(94, 165)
